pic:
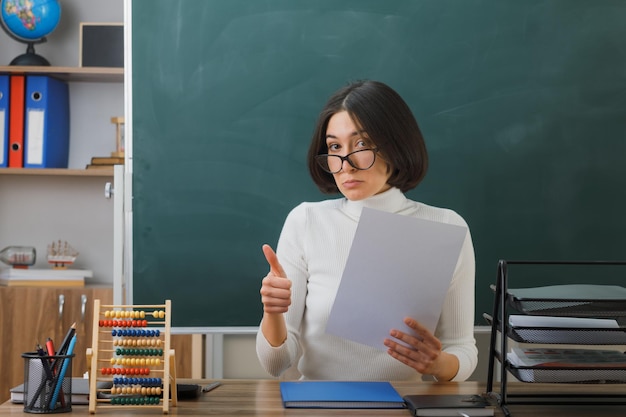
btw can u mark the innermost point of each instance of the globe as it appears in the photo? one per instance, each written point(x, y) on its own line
point(30, 21)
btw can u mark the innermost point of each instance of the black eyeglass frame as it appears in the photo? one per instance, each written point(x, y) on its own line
point(324, 156)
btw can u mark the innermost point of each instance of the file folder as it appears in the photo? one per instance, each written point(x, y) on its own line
point(46, 132)
point(339, 394)
point(4, 120)
point(16, 120)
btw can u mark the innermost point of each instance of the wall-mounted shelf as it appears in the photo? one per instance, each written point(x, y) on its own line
point(70, 74)
point(100, 172)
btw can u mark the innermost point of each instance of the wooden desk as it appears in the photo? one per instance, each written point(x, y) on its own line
point(262, 398)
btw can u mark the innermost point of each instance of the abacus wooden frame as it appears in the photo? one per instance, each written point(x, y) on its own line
point(169, 364)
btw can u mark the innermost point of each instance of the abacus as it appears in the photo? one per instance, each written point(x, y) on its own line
point(131, 350)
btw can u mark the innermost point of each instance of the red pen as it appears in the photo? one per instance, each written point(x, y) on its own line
point(50, 347)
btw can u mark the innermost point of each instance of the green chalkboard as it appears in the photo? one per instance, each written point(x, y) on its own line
point(522, 104)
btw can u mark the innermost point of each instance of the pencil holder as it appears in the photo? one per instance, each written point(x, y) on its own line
point(47, 383)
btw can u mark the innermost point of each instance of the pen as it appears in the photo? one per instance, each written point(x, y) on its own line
point(211, 386)
point(44, 362)
point(50, 347)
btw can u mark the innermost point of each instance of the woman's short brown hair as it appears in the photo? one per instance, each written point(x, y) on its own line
point(390, 125)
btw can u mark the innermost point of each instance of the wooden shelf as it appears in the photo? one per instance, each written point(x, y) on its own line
point(100, 172)
point(70, 74)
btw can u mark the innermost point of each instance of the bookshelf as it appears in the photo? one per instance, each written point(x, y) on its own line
point(91, 75)
point(41, 205)
point(72, 196)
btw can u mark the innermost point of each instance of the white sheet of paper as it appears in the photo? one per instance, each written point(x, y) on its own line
point(398, 266)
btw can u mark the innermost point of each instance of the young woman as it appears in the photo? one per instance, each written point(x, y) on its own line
point(367, 146)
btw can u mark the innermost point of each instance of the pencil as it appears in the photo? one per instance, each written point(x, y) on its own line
point(66, 341)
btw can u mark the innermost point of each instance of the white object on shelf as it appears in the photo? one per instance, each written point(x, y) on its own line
point(39, 274)
point(564, 322)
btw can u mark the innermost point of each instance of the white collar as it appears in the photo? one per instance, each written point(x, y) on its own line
point(391, 201)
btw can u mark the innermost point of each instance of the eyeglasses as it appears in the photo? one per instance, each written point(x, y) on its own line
point(362, 159)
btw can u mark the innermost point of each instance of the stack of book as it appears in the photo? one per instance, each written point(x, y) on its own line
point(80, 391)
point(19, 277)
point(105, 161)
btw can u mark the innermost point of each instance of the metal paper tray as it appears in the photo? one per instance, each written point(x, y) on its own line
point(568, 375)
point(576, 336)
point(569, 308)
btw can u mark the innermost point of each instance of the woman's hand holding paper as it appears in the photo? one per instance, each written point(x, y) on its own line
point(421, 350)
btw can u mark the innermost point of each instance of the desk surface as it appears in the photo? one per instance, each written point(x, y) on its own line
point(262, 398)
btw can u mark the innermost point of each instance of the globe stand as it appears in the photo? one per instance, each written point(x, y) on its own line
point(30, 58)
